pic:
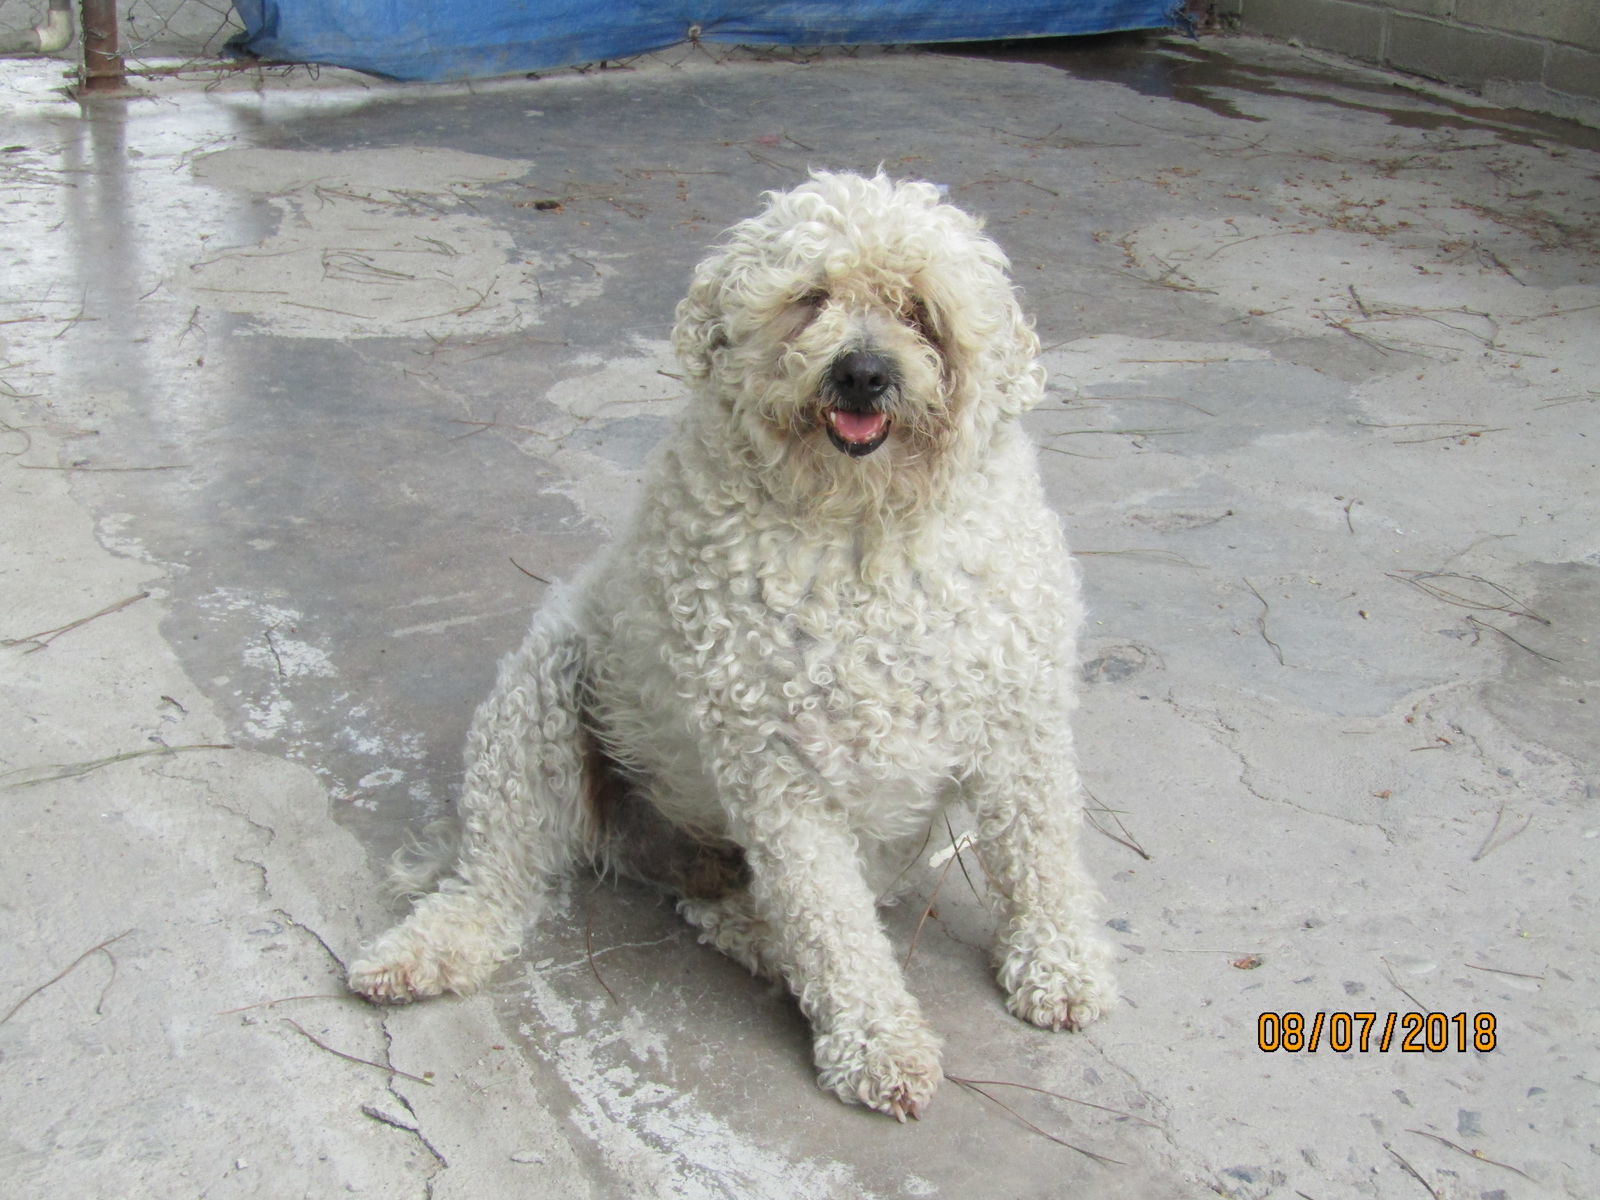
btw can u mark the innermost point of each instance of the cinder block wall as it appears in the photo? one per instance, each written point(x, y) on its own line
point(1539, 54)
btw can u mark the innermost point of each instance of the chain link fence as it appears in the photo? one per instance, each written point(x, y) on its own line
point(154, 35)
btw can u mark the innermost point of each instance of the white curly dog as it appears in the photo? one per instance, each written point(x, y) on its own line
point(842, 606)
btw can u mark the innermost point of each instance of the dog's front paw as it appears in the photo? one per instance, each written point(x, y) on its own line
point(423, 957)
point(1054, 990)
point(398, 980)
point(891, 1068)
point(1060, 984)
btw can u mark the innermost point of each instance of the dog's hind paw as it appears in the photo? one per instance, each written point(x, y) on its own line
point(894, 1071)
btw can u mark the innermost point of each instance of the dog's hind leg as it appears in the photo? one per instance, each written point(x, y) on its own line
point(524, 822)
point(732, 925)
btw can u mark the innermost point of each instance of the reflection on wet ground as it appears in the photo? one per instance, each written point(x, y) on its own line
point(1194, 73)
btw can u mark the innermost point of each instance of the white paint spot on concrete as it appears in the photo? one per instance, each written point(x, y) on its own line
point(660, 1140)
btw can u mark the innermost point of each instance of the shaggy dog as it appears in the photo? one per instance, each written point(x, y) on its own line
point(842, 606)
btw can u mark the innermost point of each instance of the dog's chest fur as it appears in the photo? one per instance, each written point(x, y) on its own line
point(883, 658)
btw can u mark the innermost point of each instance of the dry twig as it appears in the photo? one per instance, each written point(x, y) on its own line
point(67, 970)
point(588, 950)
point(1480, 624)
point(1411, 1171)
point(365, 1062)
point(1489, 844)
point(1127, 839)
point(45, 636)
point(1261, 622)
point(228, 1012)
point(73, 770)
point(1502, 971)
point(1507, 602)
point(977, 1087)
point(933, 899)
point(1471, 1153)
point(1389, 971)
point(527, 572)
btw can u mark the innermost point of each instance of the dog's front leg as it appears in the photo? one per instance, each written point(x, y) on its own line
point(1055, 967)
point(872, 1045)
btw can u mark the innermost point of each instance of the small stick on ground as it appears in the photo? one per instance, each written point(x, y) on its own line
point(972, 1086)
point(1166, 556)
point(1510, 604)
point(932, 900)
point(365, 1062)
point(1127, 839)
point(91, 467)
point(1116, 1112)
point(588, 950)
point(1476, 623)
point(73, 770)
point(67, 970)
point(1502, 971)
point(273, 647)
point(1389, 971)
point(527, 572)
point(1261, 622)
point(45, 636)
point(1489, 844)
point(956, 849)
point(1471, 1153)
point(228, 1012)
point(1411, 1171)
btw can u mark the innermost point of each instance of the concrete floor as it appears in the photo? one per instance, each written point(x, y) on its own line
point(302, 384)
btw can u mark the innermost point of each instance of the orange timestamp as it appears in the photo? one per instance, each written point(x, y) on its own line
point(1409, 1033)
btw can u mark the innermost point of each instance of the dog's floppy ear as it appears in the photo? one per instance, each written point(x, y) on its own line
point(699, 330)
point(1019, 382)
point(996, 338)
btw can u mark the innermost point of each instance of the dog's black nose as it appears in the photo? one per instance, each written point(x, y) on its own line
point(860, 378)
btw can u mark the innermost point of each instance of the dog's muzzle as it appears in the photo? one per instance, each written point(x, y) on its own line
point(855, 389)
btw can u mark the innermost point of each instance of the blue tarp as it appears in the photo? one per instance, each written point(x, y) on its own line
point(463, 39)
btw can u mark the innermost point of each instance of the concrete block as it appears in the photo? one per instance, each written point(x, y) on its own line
point(1338, 25)
point(1575, 72)
point(1462, 56)
point(1575, 22)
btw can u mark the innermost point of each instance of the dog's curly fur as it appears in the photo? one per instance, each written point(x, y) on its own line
point(843, 604)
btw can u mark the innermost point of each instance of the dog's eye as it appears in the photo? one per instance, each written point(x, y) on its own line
point(815, 298)
point(920, 317)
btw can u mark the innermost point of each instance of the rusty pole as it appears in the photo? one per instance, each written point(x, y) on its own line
point(102, 59)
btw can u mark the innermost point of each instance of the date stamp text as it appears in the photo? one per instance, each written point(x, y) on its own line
point(1368, 1032)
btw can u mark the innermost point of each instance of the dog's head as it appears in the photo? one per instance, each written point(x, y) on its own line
point(859, 334)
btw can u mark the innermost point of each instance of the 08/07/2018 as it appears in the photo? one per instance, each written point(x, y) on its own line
point(1432, 1033)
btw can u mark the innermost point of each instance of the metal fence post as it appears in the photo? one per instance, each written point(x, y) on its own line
point(102, 59)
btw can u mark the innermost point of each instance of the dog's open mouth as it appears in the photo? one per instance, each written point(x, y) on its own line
point(856, 433)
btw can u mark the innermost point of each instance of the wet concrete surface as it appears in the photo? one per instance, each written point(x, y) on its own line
point(320, 366)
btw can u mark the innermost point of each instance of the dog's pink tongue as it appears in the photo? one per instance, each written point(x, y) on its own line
point(858, 427)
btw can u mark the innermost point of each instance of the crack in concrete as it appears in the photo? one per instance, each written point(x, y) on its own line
point(415, 1129)
point(212, 801)
point(320, 940)
point(1227, 737)
point(261, 883)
